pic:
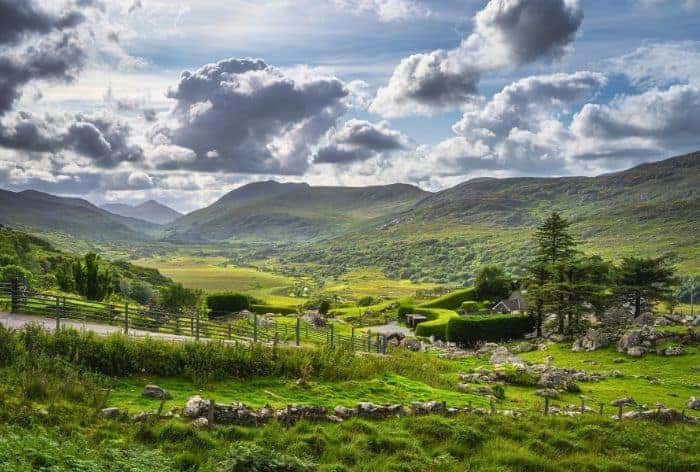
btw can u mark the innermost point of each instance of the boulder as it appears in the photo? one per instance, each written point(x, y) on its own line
point(343, 412)
point(111, 412)
point(592, 340)
point(616, 373)
point(635, 351)
point(412, 344)
point(693, 403)
point(524, 347)
point(195, 407)
point(673, 351)
point(154, 391)
point(625, 401)
point(139, 417)
point(200, 422)
point(547, 392)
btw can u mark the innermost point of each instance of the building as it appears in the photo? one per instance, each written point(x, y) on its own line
point(515, 303)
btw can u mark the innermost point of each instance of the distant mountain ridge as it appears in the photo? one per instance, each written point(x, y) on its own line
point(151, 211)
point(296, 211)
point(43, 212)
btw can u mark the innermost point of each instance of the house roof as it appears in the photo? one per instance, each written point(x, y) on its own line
point(516, 302)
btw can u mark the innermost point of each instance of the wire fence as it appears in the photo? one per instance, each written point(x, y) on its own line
point(132, 319)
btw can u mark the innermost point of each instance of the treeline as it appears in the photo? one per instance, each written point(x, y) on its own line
point(40, 266)
point(564, 281)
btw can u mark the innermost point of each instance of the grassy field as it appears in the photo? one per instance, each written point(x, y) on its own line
point(48, 411)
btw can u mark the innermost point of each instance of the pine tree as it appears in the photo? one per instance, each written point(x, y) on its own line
point(650, 279)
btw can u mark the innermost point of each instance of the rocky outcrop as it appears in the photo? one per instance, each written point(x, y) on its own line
point(693, 403)
point(592, 340)
point(111, 412)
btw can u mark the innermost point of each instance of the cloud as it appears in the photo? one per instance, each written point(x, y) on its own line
point(360, 140)
point(103, 139)
point(519, 128)
point(242, 115)
point(21, 18)
point(386, 10)
point(647, 123)
point(507, 34)
point(659, 64)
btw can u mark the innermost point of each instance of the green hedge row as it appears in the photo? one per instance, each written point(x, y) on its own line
point(469, 330)
point(262, 309)
point(452, 300)
point(228, 302)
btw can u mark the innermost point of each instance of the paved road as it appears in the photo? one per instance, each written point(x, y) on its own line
point(18, 320)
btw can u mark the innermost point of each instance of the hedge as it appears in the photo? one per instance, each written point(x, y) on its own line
point(452, 300)
point(223, 303)
point(469, 330)
point(471, 306)
point(262, 309)
point(436, 324)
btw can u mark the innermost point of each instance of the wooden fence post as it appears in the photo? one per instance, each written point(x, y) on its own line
point(546, 405)
point(14, 296)
point(352, 338)
point(58, 314)
point(126, 319)
point(229, 331)
point(332, 334)
point(369, 340)
point(297, 333)
point(255, 327)
point(212, 408)
point(196, 333)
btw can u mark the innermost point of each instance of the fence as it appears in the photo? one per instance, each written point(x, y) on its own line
point(132, 318)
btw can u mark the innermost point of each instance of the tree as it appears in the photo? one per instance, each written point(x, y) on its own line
point(98, 283)
point(536, 293)
point(11, 272)
point(645, 279)
point(176, 297)
point(324, 306)
point(492, 283)
point(78, 276)
point(555, 251)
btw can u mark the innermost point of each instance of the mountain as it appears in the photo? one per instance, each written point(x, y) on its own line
point(150, 211)
point(445, 237)
point(292, 211)
point(46, 213)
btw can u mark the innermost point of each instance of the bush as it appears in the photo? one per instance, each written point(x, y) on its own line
point(10, 272)
point(245, 458)
point(471, 306)
point(224, 303)
point(436, 324)
point(405, 310)
point(452, 300)
point(492, 282)
point(365, 301)
point(472, 329)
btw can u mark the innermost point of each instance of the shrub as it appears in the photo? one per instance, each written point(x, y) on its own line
point(10, 272)
point(492, 282)
point(436, 325)
point(223, 303)
point(365, 301)
point(405, 310)
point(244, 458)
point(471, 329)
point(471, 306)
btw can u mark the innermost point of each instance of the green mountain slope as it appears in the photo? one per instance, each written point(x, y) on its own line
point(272, 211)
point(151, 211)
point(647, 210)
point(45, 213)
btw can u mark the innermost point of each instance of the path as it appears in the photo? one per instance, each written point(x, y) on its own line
point(391, 328)
point(17, 321)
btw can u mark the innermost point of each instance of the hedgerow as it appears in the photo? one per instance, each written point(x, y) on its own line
point(469, 330)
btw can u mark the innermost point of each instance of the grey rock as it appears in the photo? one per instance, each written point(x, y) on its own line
point(139, 417)
point(111, 412)
point(154, 391)
point(200, 422)
point(625, 401)
point(693, 403)
point(195, 406)
point(547, 393)
point(673, 351)
point(635, 351)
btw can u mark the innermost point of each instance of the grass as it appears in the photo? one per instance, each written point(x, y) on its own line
point(55, 427)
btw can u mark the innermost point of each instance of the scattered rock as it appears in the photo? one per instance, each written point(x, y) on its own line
point(616, 374)
point(195, 407)
point(592, 340)
point(111, 412)
point(625, 401)
point(200, 422)
point(547, 392)
point(673, 351)
point(139, 417)
point(635, 351)
point(693, 403)
point(524, 347)
point(412, 344)
point(154, 391)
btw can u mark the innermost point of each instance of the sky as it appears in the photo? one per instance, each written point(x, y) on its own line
point(183, 100)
